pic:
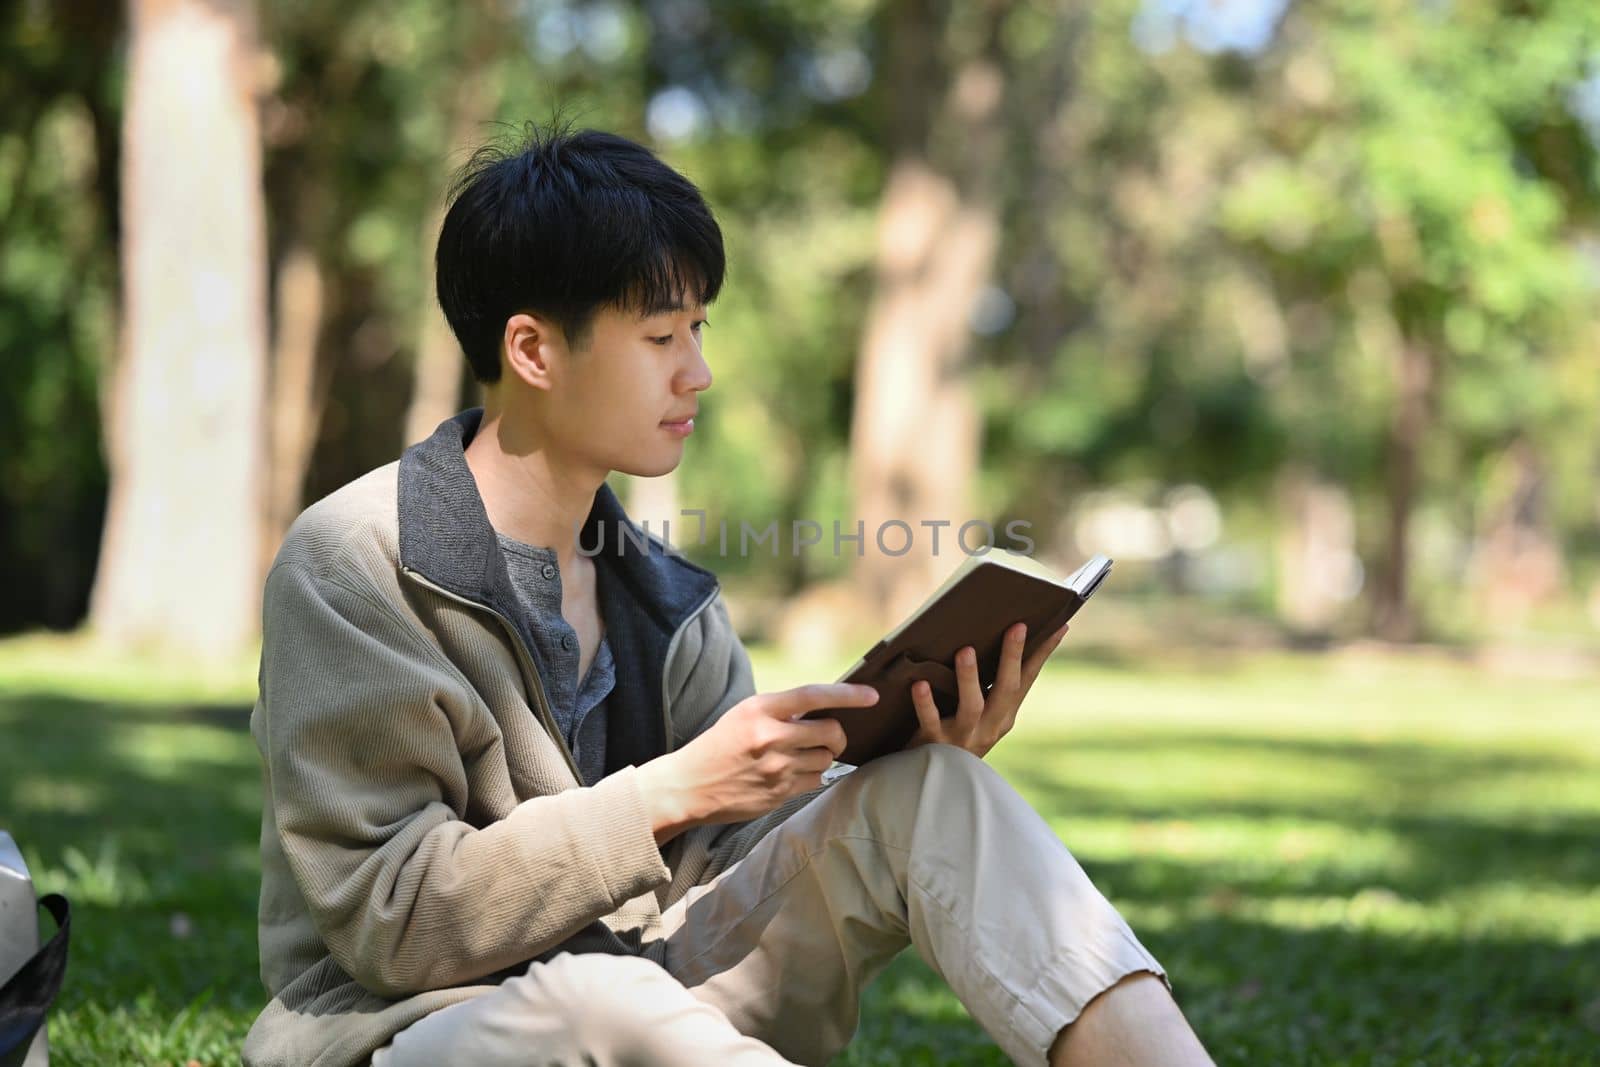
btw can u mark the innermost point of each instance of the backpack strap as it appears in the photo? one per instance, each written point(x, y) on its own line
point(28, 994)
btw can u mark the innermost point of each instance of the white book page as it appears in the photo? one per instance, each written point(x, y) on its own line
point(1087, 578)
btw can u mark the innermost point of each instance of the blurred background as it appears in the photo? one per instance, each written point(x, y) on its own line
point(1290, 307)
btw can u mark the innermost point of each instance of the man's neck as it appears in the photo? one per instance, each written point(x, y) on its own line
point(529, 497)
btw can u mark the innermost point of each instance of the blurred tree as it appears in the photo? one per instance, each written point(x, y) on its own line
point(1238, 267)
point(178, 559)
point(473, 99)
point(352, 119)
point(770, 109)
point(916, 427)
point(1324, 260)
point(1420, 172)
point(60, 74)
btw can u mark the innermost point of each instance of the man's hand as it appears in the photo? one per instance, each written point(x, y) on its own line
point(979, 722)
point(751, 760)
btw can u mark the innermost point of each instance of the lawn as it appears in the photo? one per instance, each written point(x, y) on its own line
point(1343, 859)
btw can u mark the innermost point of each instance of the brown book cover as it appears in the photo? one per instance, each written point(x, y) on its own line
point(975, 606)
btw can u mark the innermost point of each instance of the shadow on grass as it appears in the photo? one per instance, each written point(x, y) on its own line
point(148, 818)
point(1258, 993)
point(1404, 791)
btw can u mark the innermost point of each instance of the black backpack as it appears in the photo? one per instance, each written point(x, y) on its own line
point(28, 994)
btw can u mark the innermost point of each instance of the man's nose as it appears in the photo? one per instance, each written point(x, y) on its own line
point(699, 376)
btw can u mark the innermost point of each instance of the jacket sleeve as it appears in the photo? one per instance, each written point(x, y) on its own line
point(361, 734)
point(713, 674)
point(708, 674)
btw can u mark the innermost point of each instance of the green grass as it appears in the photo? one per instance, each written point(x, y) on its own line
point(1340, 860)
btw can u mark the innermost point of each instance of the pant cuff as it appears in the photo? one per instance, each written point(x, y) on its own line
point(1054, 1003)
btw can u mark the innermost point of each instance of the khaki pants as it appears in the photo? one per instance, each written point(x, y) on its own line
point(766, 963)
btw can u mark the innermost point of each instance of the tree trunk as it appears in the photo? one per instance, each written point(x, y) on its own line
point(179, 561)
point(436, 386)
point(440, 364)
point(296, 397)
point(1394, 614)
point(916, 431)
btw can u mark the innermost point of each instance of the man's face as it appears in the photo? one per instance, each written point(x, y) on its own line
point(620, 402)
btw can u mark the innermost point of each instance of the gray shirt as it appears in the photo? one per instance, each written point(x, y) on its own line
point(578, 706)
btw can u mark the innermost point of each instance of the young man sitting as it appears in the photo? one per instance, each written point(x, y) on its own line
point(523, 802)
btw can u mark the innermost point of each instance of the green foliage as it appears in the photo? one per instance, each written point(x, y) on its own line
point(1225, 251)
point(1409, 160)
point(59, 87)
point(1212, 254)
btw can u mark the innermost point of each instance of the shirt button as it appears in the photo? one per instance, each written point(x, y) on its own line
point(549, 570)
point(566, 642)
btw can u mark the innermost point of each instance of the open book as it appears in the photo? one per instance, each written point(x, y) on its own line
point(975, 606)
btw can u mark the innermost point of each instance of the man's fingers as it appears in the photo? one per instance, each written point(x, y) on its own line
point(814, 733)
point(787, 703)
point(813, 760)
point(1035, 662)
point(971, 704)
point(927, 710)
point(1009, 676)
point(806, 783)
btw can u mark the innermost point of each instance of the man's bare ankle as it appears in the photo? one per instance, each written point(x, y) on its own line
point(1133, 1022)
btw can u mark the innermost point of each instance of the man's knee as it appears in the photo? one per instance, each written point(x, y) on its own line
point(913, 768)
point(601, 996)
point(901, 784)
point(950, 760)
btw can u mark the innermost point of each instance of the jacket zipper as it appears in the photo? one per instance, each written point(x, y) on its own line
point(526, 660)
point(666, 710)
point(540, 699)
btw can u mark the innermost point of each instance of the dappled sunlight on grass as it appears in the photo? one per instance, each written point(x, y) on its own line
point(1561, 914)
point(1282, 852)
point(1321, 849)
point(72, 665)
point(1338, 861)
point(142, 804)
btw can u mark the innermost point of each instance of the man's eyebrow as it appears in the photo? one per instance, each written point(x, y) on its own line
point(665, 310)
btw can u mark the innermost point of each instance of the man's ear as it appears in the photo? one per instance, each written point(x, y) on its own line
point(530, 345)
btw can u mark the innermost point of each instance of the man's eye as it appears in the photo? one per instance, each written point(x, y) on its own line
point(694, 327)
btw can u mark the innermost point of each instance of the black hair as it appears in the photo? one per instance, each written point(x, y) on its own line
point(562, 224)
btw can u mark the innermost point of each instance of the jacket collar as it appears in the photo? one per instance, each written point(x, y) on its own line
point(646, 594)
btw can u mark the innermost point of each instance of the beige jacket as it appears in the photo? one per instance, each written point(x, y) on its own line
point(424, 833)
